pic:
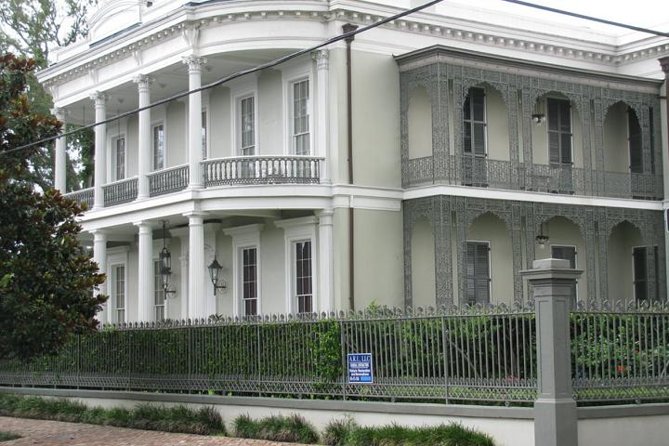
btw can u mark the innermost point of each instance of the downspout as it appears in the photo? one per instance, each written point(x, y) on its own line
point(347, 28)
point(664, 62)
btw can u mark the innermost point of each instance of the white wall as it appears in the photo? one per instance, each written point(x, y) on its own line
point(616, 152)
point(419, 117)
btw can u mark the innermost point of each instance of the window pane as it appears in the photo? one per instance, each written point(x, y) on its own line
point(119, 157)
point(301, 117)
point(247, 129)
point(158, 147)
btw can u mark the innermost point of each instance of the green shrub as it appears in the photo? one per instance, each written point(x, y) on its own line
point(338, 432)
point(393, 435)
point(276, 428)
point(8, 436)
point(203, 421)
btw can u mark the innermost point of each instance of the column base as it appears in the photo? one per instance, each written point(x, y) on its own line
point(555, 422)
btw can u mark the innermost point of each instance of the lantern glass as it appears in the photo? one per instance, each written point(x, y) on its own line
point(165, 260)
point(214, 269)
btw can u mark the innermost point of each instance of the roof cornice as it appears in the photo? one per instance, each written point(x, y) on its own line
point(462, 32)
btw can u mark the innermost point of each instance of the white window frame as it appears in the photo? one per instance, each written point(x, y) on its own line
point(114, 133)
point(472, 121)
point(290, 78)
point(571, 131)
point(244, 237)
point(158, 289)
point(299, 230)
point(239, 91)
point(153, 148)
point(117, 257)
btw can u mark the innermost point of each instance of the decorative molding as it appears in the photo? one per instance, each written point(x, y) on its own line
point(188, 29)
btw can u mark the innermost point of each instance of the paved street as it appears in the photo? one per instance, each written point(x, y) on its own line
point(56, 433)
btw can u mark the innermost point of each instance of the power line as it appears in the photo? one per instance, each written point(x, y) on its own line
point(301, 52)
point(587, 17)
point(236, 75)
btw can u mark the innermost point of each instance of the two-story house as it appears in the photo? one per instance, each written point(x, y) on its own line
point(424, 162)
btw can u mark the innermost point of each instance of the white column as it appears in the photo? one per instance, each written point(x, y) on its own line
point(194, 120)
point(322, 148)
point(145, 274)
point(326, 260)
point(100, 257)
point(144, 139)
point(100, 149)
point(196, 292)
point(60, 168)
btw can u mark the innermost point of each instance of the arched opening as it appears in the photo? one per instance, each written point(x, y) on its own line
point(629, 264)
point(488, 273)
point(565, 241)
point(422, 265)
point(419, 118)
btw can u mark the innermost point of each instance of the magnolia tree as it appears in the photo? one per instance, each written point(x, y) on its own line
point(46, 276)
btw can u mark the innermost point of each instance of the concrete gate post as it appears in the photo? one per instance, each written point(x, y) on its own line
point(551, 284)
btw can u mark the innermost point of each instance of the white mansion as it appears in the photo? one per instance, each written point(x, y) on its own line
point(424, 162)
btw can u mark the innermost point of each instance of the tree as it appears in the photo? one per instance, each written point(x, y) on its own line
point(46, 276)
point(31, 28)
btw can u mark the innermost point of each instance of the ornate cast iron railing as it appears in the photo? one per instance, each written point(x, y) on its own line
point(83, 196)
point(119, 192)
point(262, 170)
point(463, 355)
point(468, 355)
point(620, 353)
point(168, 180)
point(559, 179)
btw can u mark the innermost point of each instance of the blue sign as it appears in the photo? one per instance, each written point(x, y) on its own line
point(360, 368)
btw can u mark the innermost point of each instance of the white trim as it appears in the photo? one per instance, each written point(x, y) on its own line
point(244, 237)
point(117, 257)
point(291, 76)
point(299, 230)
point(243, 90)
point(114, 132)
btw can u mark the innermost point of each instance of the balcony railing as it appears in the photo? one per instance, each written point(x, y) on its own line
point(82, 196)
point(119, 192)
point(168, 180)
point(261, 170)
point(560, 179)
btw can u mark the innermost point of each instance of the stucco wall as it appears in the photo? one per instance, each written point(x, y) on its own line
point(623, 239)
point(220, 137)
point(270, 113)
point(498, 126)
point(423, 281)
point(176, 134)
point(420, 123)
point(616, 150)
point(378, 258)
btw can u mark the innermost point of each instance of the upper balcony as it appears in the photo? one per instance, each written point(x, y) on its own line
point(275, 169)
point(471, 120)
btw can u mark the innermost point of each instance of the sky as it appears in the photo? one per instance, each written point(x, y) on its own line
point(653, 14)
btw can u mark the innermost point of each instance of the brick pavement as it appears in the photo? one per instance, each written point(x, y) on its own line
point(56, 433)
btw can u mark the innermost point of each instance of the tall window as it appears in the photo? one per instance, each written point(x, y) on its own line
point(559, 131)
point(475, 123)
point(477, 271)
point(204, 134)
point(118, 293)
point(634, 141)
point(158, 293)
point(250, 281)
point(247, 126)
point(158, 147)
point(303, 277)
point(644, 285)
point(118, 158)
point(301, 143)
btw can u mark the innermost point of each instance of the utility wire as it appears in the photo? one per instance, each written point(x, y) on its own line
point(236, 75)
point(301, 52)
point(587, 17)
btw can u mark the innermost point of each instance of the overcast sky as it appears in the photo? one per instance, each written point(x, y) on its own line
point(653, 14)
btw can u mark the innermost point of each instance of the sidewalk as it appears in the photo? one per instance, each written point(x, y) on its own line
point(56, 433)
